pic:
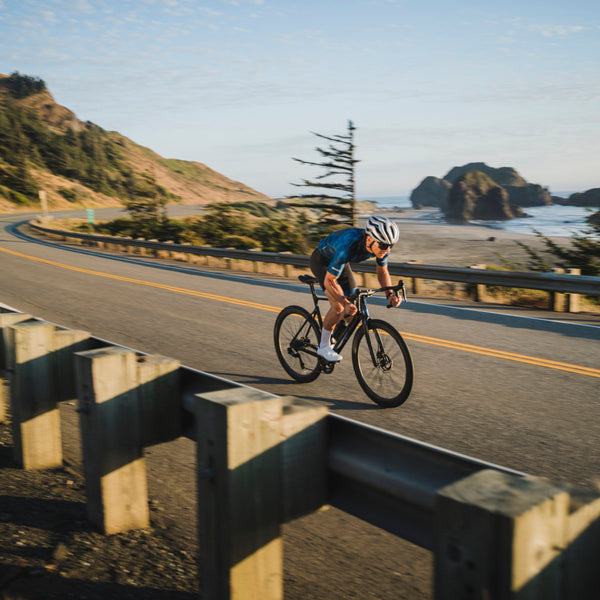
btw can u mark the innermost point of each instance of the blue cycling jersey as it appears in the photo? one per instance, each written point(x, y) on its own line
point(344, 246)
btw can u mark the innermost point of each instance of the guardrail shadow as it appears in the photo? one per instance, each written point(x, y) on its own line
point(507, 320)
point(299, 391)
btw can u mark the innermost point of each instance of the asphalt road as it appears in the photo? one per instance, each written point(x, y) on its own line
point(519, 390)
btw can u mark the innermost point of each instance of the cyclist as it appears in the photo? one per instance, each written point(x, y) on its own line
point(330, 265)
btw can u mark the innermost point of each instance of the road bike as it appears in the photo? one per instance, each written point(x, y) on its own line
point(380, 357)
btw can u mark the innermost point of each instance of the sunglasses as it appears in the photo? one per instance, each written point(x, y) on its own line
point(385, 246)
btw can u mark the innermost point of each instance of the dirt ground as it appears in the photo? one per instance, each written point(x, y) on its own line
point(48, 550)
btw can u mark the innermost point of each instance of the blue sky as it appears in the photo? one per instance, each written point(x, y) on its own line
point(240, 84)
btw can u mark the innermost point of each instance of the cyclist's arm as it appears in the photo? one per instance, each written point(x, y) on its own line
point(385, 280)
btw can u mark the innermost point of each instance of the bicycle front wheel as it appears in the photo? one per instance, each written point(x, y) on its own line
point(296, 341)
point(382, 364)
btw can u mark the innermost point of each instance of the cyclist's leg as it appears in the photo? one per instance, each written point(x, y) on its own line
point(336, 322)
point(348, 283)
point(319, 265)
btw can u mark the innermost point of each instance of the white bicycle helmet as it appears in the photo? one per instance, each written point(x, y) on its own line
point(382, 229)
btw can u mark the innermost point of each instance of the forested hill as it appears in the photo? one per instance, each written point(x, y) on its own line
point(44, 146)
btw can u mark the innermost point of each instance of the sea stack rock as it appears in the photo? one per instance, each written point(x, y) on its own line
point(474, 196)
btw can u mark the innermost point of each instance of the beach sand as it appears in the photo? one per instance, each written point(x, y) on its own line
point(425, 237)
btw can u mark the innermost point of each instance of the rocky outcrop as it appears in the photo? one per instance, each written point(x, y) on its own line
point(475, 196)
point(589, 198)
point(530, 194)
point(432, 191)
point(504, 176)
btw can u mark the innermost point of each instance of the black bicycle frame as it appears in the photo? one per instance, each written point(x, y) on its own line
point(361, 317)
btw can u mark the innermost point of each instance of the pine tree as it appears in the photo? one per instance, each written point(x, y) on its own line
point(338, 160)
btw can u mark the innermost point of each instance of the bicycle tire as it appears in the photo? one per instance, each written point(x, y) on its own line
point(390, 381)
point(296, 331)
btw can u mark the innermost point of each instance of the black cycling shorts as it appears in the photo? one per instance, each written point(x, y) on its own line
point(319, 264)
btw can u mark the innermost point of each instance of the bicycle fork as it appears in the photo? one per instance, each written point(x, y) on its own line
point(379, 358)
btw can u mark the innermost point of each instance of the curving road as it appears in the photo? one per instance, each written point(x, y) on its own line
point(521, 390)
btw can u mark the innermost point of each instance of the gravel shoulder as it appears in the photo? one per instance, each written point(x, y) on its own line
point(48, 550)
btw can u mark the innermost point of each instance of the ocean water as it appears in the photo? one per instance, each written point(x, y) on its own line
point(553, 220)
point(390, 201)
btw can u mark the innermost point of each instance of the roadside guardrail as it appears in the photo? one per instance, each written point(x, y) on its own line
point(563, 287)
point(494, 532)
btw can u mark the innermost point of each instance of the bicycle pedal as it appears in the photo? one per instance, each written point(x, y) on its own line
point(327, 367)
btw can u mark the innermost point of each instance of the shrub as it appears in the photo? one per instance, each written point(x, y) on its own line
point(17, 197)
point(583, 254)
point(68, 194)
point(240, 242)
point(21, 86)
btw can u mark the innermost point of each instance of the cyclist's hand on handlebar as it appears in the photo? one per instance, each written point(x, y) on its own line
point(349, 310)
point(393, 299)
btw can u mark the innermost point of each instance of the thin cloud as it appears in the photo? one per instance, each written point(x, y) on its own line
point(550, 92)
point(557, 30)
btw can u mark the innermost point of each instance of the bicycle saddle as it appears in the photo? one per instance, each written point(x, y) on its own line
point(307, 279)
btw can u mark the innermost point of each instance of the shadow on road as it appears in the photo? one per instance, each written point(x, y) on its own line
point(333, 403)
point(536, 320)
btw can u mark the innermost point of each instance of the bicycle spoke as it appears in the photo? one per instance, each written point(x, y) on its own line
point(382, 368)
point(296, 340)
point(382, 364)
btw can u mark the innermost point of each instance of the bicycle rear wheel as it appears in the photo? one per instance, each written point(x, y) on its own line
point(296, 337)
point(382, 364)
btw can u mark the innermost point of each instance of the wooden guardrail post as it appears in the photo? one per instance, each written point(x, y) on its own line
point(66, 343)
point(159, 399)
point(583, 537)
point(113, 461)
point(303, 457)
point(238, 433)
point(416, 283)
point(39, 358)
point(35, 414)
point(6, 319)
point(501, 537)
point(572, 303)
point(3, 397)
point(480, 291)
point(557, 299)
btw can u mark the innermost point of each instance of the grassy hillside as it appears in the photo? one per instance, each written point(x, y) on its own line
point(43, 146)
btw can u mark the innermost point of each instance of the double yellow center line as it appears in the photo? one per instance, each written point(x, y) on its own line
point(531, 360)
point(523, 358)
point(159, 286)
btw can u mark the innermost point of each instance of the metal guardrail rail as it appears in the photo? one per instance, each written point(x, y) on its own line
point(386, 479)
point(551, 282)
point(390, 480)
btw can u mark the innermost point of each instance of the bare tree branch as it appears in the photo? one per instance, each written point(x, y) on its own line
point(339, 162)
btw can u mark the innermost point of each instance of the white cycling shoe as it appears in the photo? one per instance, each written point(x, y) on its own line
point(329, 354)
